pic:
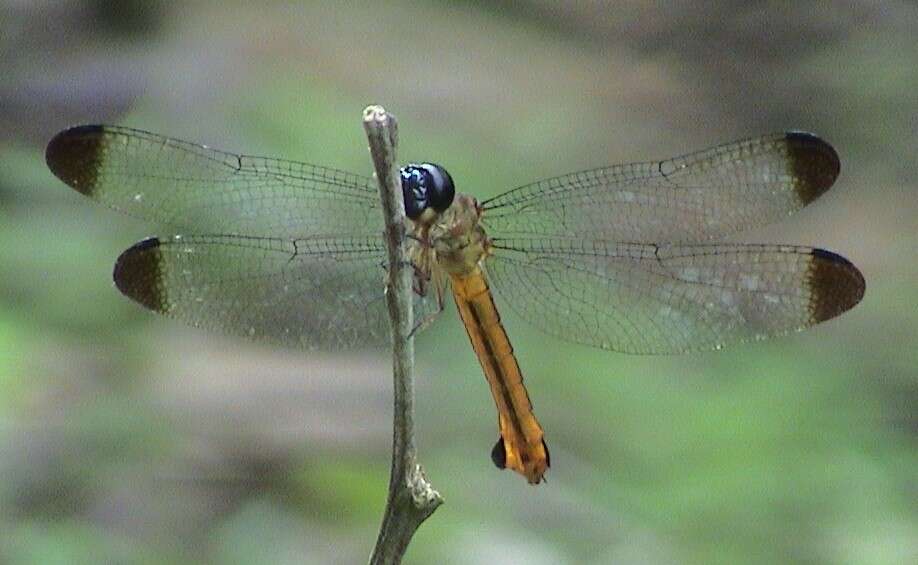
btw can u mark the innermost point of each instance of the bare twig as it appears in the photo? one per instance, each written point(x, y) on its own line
point(411, 497)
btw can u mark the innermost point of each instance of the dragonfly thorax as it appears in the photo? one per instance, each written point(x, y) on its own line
point(457, 237)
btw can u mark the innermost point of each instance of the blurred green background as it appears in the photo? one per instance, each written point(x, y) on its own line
point(129, 438)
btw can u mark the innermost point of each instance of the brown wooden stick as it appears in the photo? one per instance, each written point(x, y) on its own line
point(411, 497)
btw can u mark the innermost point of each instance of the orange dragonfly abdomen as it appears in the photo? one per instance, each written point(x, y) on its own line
point(521, 446)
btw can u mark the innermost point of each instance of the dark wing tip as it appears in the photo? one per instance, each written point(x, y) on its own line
point(138, 274)
point(813, 162)
point(74, 155)
point(836, 285)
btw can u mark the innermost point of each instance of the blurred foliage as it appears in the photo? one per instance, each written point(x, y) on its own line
point(127, 438)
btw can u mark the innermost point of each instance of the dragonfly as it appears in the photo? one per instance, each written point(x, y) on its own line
point(629, 258)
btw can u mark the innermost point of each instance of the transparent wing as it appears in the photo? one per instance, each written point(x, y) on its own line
point(669, 298)
point(194, 189)
point(273, 250)
point(698, 197)
point(316, 293)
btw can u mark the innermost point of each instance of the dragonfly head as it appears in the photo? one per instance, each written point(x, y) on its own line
point(426, 186)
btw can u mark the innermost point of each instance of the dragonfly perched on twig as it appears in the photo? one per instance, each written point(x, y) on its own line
point(623, 257)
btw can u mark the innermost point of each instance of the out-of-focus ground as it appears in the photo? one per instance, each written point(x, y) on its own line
point(129, 438)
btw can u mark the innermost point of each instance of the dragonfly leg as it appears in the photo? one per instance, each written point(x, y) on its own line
point(421, 280)
point(428, 319)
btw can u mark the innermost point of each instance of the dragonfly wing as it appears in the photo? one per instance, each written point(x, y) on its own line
point(195, 189)
point(315, 293)
point(273, 250)
point(670, 298)
point(697, 197)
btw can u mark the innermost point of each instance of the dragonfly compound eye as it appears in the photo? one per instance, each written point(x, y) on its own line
point(440, 191)
point(426, 185)
point(414, 191)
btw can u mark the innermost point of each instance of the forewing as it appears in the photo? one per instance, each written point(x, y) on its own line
point(316, 293)
point(697, 197)
point(644, 298)
point(195, 189)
